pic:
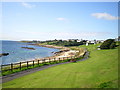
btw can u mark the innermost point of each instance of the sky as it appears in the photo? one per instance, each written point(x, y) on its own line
point(59, 20)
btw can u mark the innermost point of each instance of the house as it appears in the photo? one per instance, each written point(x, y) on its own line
point(91, 42)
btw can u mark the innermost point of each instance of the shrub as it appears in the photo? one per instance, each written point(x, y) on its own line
point(107, 44)
point(105, 85)
point(113, 45)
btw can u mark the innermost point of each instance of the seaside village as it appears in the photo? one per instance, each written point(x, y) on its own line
point(85, 42)
point(78, 42)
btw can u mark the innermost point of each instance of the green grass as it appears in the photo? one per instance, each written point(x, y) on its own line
point(99, 71)
point(4, 73)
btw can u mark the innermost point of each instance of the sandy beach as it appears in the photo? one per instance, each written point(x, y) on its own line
point(64, 52)
point(59, 56)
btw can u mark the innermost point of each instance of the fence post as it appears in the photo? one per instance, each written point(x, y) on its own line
point(20, 65)
point(59, 59)
point(1, 69)
point(11, 67)
point(38, 62)
point(27, 64)
point(33, 63)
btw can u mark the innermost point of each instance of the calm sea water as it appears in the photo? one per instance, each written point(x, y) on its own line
point(17, 54)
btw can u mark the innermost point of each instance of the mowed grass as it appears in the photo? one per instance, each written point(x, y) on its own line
point(99, 71)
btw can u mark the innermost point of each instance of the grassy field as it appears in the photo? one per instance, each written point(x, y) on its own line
point(99, 71)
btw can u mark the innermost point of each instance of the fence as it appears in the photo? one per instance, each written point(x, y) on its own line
point(35, 63)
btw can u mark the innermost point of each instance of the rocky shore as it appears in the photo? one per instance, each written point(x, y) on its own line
point(28, 48)
point(50, 46)
point(4, 54)
point(64, 52)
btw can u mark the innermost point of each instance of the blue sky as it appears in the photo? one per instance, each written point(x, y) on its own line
point(59, 20)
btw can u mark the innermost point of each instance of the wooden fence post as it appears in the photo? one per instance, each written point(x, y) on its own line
point(43, 61)
point(11, 67)
point(20, 65)
point(33, 63)
point(1, 68)
point(27, 64)
point(38, 62)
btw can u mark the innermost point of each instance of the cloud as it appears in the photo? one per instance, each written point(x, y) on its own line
point(61, 19)
point(27, 5)
point(105, 16)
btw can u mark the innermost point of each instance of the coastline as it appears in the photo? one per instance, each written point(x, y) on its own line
point(62, 50)
point(50, 46)
point(62, 53)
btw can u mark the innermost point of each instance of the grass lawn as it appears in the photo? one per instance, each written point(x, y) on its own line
point(99, 71)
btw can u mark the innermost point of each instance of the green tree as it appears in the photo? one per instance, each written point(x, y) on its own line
point(113, 45)
point(106, 44)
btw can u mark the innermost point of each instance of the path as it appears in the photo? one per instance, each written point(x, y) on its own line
point(29, 71)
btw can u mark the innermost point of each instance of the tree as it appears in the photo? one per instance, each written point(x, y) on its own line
point(107, 44)
point(113, 45)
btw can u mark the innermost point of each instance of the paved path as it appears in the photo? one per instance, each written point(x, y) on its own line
point(29, 71)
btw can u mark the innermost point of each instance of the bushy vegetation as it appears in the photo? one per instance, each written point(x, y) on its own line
point(65, 43)
point(60, 42)
point(108, 44)
point(106, 85)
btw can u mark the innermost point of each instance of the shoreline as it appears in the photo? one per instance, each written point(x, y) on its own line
point(50, 46)
point(62, 53)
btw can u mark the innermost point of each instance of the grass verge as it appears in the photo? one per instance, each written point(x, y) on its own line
point(99, 71)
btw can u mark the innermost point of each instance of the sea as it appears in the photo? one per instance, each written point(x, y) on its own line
point(18, 54)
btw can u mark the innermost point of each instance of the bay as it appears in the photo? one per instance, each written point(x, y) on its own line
point(17, 54)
